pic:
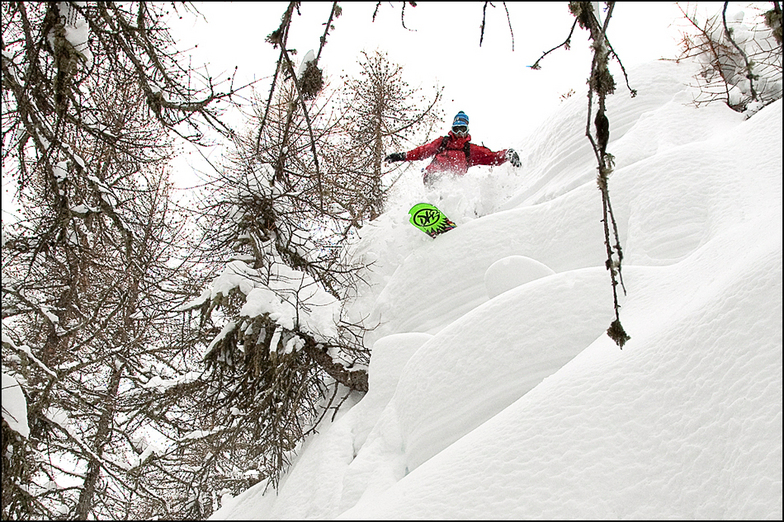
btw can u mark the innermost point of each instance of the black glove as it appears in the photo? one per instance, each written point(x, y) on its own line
point(395, 156)
point(513, 158)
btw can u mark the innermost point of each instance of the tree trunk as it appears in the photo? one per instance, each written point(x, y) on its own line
point(102, 437)
point(376, 202)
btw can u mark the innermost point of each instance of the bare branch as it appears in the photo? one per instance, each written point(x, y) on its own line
point(509, 21)
point(566, 43)
point(484, 15)
point(334, 12)
point(482, 27)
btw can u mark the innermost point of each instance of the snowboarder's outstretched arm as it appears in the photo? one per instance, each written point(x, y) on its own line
point(478, 155)
point(421, 152)
point(483, 156)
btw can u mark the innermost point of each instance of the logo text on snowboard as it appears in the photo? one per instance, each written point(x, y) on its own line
point(426, 217)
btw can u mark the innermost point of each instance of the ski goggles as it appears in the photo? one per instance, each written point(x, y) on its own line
point(460, 130)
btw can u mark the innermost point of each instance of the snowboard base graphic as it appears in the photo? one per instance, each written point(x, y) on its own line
point(429, 219)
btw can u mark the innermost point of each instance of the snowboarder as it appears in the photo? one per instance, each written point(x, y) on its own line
point(455, 153)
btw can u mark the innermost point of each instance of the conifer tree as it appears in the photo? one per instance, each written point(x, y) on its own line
point(382, 113)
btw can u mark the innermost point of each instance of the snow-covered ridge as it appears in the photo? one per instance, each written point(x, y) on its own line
point(501, 397)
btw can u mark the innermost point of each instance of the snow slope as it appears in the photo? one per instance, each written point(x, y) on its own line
point(494, 391)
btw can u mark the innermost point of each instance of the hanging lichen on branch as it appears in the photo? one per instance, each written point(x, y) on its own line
point(600, 84)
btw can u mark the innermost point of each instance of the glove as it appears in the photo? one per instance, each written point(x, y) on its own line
point(513, 158)
point(395, 156)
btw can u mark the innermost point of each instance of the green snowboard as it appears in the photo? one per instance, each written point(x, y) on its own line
point(429, 219)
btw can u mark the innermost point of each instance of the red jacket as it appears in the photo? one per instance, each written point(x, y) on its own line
point(452, 158)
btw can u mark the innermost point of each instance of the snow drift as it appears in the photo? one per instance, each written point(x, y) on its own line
point(497, 394)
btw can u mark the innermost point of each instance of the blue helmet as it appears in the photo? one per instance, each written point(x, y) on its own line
point(460, 119)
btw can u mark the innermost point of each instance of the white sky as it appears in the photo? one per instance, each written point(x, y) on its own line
point(504, 99)
point(441, 48)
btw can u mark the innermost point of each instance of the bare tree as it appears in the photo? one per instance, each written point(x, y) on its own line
point(381, 112)
point(278, 351)
point(91, 93)
point(740, 62)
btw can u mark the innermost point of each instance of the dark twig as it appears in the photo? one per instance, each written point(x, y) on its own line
point(484, 17)
point(482, 27)
point(623, 69)
point(403, 15)
point(509, 21)
point(279, 37)
point(566, 44)
point(323, 40)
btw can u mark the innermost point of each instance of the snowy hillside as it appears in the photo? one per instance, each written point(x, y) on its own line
point(494, 390)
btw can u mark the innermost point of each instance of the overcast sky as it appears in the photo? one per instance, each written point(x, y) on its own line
point(504, 99)
point(492, 83)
